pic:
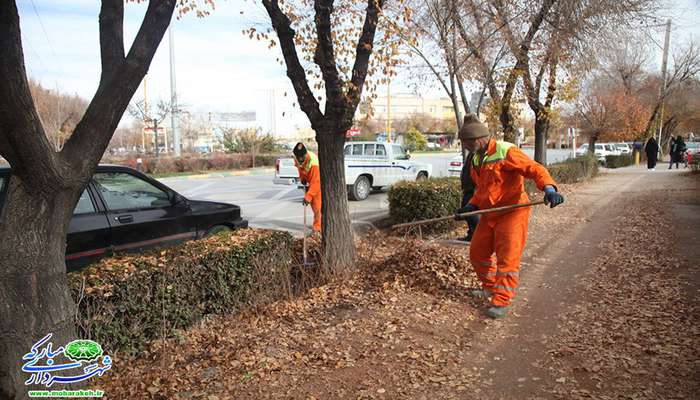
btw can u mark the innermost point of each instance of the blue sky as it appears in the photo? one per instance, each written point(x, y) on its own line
point(218, 69)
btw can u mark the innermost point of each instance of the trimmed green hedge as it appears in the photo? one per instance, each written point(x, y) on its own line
point(215, 162)
point(126, 301)
point(428, 198)
point(620, 161)
point(575, 169)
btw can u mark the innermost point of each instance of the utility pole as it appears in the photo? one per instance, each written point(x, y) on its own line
point(145, 110)
point(664, 65)
point(273, 116)
point(388, 110)
point(155, 135)
point(173, 95)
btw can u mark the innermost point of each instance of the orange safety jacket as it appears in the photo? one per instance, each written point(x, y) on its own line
point(499, 175)
point(309, 173)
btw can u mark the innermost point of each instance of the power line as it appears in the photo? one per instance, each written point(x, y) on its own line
point(46, 35)
point(25, 40)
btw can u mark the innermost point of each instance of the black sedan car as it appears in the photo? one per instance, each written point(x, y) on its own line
point(122, 209)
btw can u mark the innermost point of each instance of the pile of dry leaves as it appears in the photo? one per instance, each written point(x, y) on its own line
point(430, 268)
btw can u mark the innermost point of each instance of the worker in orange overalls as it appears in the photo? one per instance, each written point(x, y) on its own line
point(498, 169)
point(310, 176)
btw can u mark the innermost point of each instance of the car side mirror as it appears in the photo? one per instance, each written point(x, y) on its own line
point(180, 201)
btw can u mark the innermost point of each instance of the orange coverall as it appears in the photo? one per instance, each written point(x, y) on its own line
point(498, 175)
point(310, 174)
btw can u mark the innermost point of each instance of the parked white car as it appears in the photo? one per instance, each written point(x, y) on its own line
point(582, 149)
point(623, 148)
point(612, 149)
point(601, 150)
point(286, 172)
point(368, 165)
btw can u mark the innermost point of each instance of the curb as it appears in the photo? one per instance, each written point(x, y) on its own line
point(226, 174)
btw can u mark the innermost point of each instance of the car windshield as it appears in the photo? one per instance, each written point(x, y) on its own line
point(122, 191)
point(399, 152)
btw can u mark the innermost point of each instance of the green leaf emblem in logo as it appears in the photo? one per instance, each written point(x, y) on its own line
point(83, 350)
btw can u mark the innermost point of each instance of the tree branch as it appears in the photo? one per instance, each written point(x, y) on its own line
point(543, 69)
point(435, 72)
point(521, 53)
point(23, 141)
point(552, 86)
point(476, 52)
point(324, 57)
point(364, 50)
point(111, 37)
point(295, 71)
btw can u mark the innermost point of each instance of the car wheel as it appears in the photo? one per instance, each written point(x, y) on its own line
point(216, 229)
point(422, 176)
point(360, 189)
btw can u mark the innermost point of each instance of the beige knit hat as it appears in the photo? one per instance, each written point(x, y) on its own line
point(472, 128)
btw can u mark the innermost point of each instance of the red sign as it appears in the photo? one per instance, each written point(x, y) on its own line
point(352, 132)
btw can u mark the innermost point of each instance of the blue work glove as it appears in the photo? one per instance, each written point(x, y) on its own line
point(472, 221)
point(465, 209)
point(551, 197)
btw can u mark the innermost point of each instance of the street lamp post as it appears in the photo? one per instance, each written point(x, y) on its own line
point(173, 95)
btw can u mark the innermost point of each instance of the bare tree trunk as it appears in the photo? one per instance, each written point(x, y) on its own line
point(507, 122)
point(34, 295)
point(337, 235)
point(455, 102)
point(155, 137)
point(591, 143)
point(463, 94)
point(541, 133)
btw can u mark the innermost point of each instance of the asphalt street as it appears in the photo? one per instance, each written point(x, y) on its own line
point(267, 205)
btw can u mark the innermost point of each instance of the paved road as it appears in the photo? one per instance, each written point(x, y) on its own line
point(267, 205)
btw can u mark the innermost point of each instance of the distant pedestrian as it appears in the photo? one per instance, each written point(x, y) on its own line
point(651, 148)
point(676, 150)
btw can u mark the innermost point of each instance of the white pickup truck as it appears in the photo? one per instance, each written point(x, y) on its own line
point(368, 165)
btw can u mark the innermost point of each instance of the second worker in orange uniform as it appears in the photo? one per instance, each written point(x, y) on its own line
point(310, 176)
point(498, 170)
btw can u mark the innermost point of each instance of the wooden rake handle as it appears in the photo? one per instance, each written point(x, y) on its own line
point(478, 212)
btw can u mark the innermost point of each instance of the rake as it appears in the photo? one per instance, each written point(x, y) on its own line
point(478, 212)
